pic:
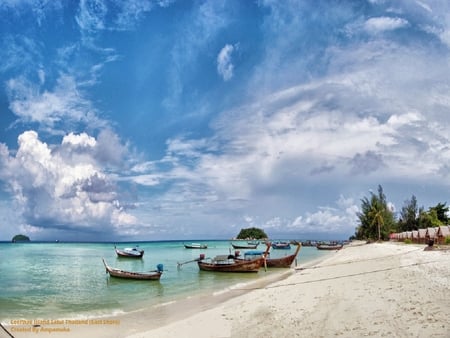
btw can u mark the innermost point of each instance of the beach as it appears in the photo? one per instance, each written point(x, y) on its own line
point(375, 290)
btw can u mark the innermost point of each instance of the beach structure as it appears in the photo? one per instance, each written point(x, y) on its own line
point(430, 234)
point(422, 236)
point(415, 236)
point(442, 233)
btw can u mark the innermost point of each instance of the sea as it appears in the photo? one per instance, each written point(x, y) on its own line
point(68, 280)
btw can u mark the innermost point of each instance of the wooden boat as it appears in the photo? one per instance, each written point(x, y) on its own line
point(129, 252)
point(230, 263)
point(281, 245)
point(329, 246)
point(226, 264)
point(195, 246)
point(253, 242)
point(283, 262)
point(244, 246)
point(151, 275)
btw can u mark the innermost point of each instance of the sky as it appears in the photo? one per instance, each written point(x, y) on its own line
point(164, 119)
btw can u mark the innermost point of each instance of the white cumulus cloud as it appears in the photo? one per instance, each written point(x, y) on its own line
point(54, 191)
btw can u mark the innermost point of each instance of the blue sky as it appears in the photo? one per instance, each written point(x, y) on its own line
point(125, 120)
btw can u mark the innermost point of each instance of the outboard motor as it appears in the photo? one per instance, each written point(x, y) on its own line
point(160, 267)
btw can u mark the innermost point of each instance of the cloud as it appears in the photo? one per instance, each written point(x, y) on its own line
point(94, 16)
point(224, 65)
point(381, 24)
point(366, 163)
point(91, 15)
point(55, 191)
point(51, 109)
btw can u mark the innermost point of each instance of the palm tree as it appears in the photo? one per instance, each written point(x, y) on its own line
point(376, 214)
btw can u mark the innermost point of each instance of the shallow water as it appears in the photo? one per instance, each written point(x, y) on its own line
point(45, 280)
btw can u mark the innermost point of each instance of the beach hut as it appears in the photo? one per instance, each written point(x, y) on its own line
point(431, 234)
point(415, 236)
point(422, 236)
point(441, 233)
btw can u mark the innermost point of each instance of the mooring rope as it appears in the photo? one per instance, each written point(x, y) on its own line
point(337, 277)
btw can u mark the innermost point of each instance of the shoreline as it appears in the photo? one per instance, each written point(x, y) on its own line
point(380, 290)
point(155, 316)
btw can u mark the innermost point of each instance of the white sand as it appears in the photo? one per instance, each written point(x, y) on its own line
point(376, 290)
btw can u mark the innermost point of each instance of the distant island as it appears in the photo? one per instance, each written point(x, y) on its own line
point(20, 238)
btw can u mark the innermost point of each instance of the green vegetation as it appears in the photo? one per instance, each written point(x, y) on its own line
point(447, 240)
point(20, 238)
point(252, 233)
point(377, 220)
point(407, 241)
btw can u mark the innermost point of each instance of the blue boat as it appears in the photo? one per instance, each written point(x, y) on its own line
point(281, 245)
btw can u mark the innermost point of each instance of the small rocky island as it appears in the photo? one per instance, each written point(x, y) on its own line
point(20, 238)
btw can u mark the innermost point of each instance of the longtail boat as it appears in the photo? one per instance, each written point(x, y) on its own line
point(329, 246)
point(281, 245)
point(195, 246)
point(129, 252)
point(230, 263)
point(244, 246)
point(151, 275)
point(283, 262)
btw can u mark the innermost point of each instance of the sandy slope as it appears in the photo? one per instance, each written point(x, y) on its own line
point(378, 290)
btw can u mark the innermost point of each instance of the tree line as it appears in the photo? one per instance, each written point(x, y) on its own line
point(377, 219)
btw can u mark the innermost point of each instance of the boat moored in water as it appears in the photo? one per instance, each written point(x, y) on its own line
point(129, 252)
point(281, 245)
point(195, 246)
point(151, 275)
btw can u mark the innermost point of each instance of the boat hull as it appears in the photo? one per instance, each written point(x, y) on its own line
point(196, 246)
point(235, 266)
point(329, 247)
point(249, 246)
point(283, 262)
point(129, 253)
point(113, 272)
point(281, 246)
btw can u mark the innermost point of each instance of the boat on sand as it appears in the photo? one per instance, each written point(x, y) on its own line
point(329, 246)
point(284, 262)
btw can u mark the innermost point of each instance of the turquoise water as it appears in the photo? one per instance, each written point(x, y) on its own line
point(43, 280)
